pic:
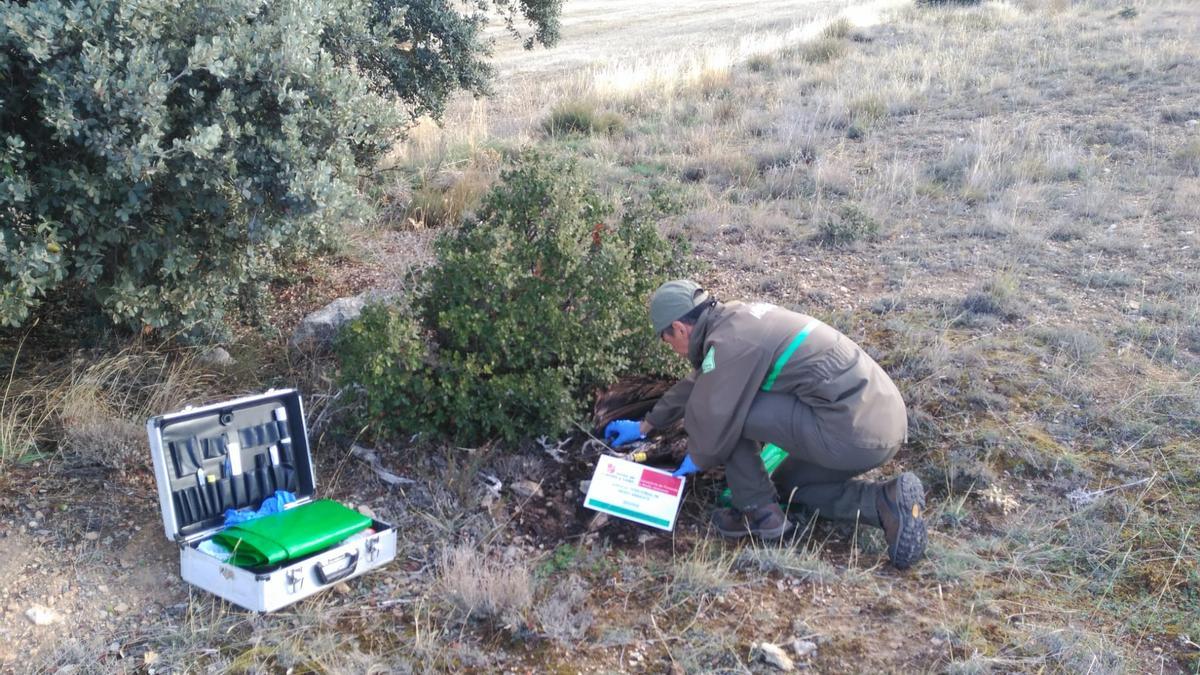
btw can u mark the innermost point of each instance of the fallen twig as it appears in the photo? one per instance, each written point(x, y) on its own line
point(1080, 497)
point(372, 459)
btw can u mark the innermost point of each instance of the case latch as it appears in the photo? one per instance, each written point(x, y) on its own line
point(372, 549)
point(295, 580)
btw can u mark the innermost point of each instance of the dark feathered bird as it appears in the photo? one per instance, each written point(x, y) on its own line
point(631, 399)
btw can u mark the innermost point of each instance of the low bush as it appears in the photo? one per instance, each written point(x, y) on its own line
point(997, 297)
point(848, 224)
point(527, 312)
point(582, 118)
point(823, 50)
point(445, 202)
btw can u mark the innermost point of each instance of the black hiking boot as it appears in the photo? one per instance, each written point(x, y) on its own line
point(765, 522)
point(901, 504)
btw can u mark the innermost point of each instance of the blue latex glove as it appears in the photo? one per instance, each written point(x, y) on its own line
point(622, 432)
point(686, 468)
point(272, 504)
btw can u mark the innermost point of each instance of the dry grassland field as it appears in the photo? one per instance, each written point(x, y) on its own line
point(1000, 202)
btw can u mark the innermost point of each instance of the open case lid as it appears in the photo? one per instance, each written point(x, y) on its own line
point(232, 454)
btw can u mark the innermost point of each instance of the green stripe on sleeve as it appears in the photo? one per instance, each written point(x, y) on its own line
point(787, 354)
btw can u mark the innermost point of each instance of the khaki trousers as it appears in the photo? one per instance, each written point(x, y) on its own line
point(821, 468)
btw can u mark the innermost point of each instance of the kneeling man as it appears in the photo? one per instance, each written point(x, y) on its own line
point(764, 374)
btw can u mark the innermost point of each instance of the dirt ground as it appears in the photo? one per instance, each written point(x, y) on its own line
point(1024, 177)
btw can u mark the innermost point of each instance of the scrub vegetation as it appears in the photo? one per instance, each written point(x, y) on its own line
point(998, 200)
point(530, 309)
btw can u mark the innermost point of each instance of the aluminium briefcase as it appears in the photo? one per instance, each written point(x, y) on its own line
point(236, 454)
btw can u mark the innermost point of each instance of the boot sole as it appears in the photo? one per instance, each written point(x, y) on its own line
point(913, 535)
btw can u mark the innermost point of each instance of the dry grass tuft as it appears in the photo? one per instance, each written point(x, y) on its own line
point(795, 560)
point(1187, 158)
point(447, 199)
point(823, 50)
point(102, 407)
point(481, 588)
point(94, 432)
point(706, 571)
point(996, 297)
point(582, 117)
point(95, 411)
point(838, 29)
point(563, 614)
point(26, 410)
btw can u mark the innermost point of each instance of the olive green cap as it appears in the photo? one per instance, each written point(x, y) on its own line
point(672, 301)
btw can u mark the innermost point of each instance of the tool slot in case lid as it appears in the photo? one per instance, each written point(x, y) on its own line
point(196, 452)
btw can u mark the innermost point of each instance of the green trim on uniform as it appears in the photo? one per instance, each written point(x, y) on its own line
point(787, 354)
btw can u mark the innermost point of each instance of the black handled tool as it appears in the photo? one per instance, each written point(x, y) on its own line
point(190, 444)
point(173, 450)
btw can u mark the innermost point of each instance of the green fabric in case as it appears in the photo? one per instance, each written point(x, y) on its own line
point(290, 534)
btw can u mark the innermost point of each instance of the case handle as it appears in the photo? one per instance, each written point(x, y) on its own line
point(346, 570)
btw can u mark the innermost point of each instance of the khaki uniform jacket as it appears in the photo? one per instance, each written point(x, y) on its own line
point(740, 349)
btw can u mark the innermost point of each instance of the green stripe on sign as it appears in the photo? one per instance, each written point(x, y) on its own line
point(622, 511)
point(787, 354)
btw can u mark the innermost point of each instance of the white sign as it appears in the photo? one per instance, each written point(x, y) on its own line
point(635, 492)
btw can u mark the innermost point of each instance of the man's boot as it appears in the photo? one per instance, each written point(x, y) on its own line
point(765, 522)
point(901, 504)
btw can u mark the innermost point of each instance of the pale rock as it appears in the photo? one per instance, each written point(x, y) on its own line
point(216, 357)
point(42, 616)
point(341, 588)
point(585, 485)
point(317, 330)
point(121, 608)
point(527, 488)
point(366, 511)
point(91, 536)
point(774, 655)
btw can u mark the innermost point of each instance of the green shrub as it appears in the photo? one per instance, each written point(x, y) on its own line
point(848, 225)
point(997, 297)
point(158, 157)
point(823, 50)
point(527, 312)
point(579, 117)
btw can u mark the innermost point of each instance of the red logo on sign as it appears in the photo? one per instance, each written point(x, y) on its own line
point(660, 482)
